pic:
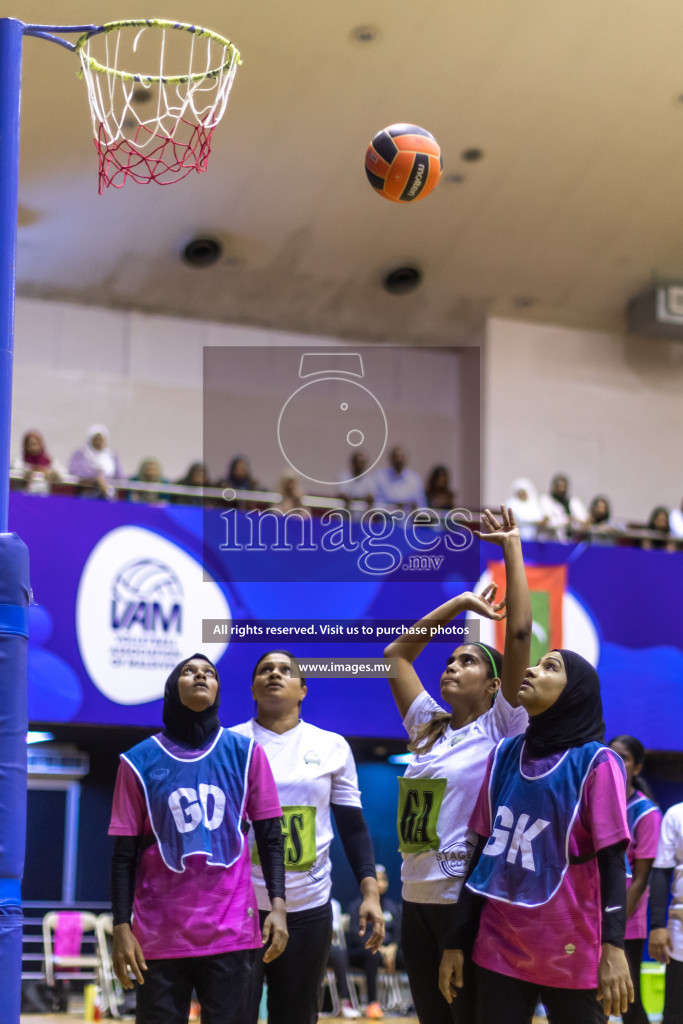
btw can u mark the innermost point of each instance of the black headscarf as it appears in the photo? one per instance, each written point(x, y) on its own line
point(576, 716)
point(191, 728)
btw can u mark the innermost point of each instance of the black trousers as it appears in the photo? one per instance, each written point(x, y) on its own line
point(338, 960)
point(673, 993)
point(634, 954)
point(294, 978)
point(504, 1000)
point(370, 963)
point(424, 927)
point(224, 984)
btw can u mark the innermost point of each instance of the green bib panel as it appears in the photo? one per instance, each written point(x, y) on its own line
point(419, 804)
point(298, 828)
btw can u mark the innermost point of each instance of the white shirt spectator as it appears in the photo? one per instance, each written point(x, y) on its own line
point(676, 522)
point(399, 488)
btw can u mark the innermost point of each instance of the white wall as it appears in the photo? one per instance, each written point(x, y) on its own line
point(139, 375)
point(605, 409)
point(142, 376)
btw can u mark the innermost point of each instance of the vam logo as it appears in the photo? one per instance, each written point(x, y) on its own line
point(147, 593)
point(139, 610)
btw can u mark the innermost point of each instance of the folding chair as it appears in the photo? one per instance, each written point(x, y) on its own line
point(68, 965)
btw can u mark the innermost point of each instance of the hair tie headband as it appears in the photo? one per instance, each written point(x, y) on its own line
point(486, 651)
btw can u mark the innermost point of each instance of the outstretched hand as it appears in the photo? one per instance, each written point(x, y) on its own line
point(484, 604)
point(498, 532)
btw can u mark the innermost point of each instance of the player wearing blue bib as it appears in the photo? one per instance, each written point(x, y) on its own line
point(184, 910)
point(644, 822)
point(544, 906)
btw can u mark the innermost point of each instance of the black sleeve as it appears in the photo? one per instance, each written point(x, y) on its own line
point(612, 868)
point(467, 911)
point(124, 865)
point(660, 886)
point(355, 837)
point(271, 850)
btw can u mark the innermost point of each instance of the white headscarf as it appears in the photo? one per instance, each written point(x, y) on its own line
point(103, 461)
point(525, 510)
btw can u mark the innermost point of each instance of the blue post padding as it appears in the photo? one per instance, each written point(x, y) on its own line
point(11, 37)
point(13, 619)
point(15, 593)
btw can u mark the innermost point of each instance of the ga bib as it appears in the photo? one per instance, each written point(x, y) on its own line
point(419, 805)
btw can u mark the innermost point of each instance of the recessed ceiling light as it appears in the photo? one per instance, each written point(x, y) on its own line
point(402, 280)
point(364, 34)
point(454, 179)
point(472, 154)
point(202, 252)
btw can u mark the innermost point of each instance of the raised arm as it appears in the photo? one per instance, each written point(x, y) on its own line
point(406, 685)
point(517, 601)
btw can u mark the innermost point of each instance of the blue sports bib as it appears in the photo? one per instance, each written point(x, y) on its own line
point(195, 805)
point(637, 807)
point(527, 854)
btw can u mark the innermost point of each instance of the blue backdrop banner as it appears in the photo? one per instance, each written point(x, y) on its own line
point(122, 591)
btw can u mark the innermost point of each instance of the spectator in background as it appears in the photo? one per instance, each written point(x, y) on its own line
point(398, 485)
point(290, 491)
point(439, 493)
point(40, 470)
point(96, 464)
point(360, 487)
point(197, 476)
point(388, 955)
point(526, 508)
point(676, 521)
point(603, 528)
point(149, 472)
point(564, 513)
point(239, 476)
point(658, 524)
point(338, 961)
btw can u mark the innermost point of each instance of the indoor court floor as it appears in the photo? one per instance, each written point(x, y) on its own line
point(66, 1018)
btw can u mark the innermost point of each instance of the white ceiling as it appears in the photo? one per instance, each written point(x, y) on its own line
point(575, 207)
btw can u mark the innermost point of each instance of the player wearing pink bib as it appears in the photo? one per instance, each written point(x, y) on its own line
point(644, 822)
point(549, 875)
point(181, 865)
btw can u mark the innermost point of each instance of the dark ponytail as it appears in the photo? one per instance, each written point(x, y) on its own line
point(637, 752)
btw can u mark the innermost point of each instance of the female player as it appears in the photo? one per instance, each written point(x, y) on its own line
point(314, 772)
point(181, 865)
point(644, 821)
point(666, 937)
point(549, 875)
point(449, 752)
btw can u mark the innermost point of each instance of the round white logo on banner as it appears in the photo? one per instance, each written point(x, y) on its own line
point(139, 610)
